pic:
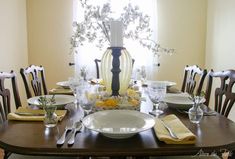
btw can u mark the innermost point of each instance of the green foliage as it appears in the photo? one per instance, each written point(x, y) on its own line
point(44, 101)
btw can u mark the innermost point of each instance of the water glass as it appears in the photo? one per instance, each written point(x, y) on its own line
point(156, 92)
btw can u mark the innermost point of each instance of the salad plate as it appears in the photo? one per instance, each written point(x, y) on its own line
point(60, 100)
point(179, 101)
point(64, 84)
point(168, 83)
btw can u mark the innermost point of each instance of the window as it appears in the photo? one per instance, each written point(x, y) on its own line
point(143, 57)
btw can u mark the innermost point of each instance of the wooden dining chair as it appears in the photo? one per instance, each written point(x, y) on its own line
point(5, 93)
point(34, 75)
point(223, 94)
point(5, 103)
point(192, 75)
point(97, 65)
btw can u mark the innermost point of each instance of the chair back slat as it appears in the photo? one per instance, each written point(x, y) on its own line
point(35, 76)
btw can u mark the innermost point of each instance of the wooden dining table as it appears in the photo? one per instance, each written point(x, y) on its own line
point(213, 134)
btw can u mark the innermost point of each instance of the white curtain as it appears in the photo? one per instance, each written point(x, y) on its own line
point(143, 57)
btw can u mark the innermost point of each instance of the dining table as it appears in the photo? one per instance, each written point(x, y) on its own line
point(213, 134)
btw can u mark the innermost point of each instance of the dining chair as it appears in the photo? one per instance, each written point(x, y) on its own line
point(5, 103)
point(192, 75)
point(36, 76)
point(222, 83)
point(6, 90)
point(97, 65)
point(5, 93)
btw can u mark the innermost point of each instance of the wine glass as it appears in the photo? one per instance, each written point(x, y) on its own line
point(73, 84)
point(87, 98)
point(156, 92)
point(143, 75)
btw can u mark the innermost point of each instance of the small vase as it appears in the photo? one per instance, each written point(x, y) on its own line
point(195, 113)
point(50, 119)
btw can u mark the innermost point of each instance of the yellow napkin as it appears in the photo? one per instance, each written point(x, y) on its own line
point(36, 117)
point(61, 91)
point(182, 132)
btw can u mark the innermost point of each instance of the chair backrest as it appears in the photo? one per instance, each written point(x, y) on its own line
point(223, 94)
point(97, 62)
point(190, 79)
point(36, 76)
point(5, 102)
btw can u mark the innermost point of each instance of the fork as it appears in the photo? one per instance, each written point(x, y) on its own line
point(77, 127)
point(68, 127)
point(172, 134)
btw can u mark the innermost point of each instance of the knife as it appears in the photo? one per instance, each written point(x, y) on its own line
point(29, 114)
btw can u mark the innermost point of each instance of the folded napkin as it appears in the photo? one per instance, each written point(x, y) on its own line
point(61, 91)
point(28, 114)
point(182, 132)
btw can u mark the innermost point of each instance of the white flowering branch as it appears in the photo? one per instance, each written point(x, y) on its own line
point(96, 26)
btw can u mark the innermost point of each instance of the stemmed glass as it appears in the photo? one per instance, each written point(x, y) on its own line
point(73, 84)
point(156, 92)
point(143, 75)
point(87, 98)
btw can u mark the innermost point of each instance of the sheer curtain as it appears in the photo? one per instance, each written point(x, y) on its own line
point(143, 57)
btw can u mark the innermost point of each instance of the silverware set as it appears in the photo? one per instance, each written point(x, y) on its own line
point(70, 126)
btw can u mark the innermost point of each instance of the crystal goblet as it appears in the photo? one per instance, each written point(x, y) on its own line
point(73, 84)
point(87, 98)
point(156, 92)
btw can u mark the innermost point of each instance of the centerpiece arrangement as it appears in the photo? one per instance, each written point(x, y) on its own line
point(100, 28)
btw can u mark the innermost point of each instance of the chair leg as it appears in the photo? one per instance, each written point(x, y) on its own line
point(6, 154)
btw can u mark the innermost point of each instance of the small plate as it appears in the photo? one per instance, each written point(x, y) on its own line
point(64, 84)
point(168, 83)
point(179, 101)
point(118, 124)
point(60, 100)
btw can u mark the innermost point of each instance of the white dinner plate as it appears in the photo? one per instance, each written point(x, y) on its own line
point(168, 83)
point(179, 101)
point(64, 84)
point(118, 124)
point(60, 100)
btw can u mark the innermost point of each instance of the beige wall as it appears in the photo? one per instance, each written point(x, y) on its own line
point(13, 38)
point(182, 26)
point(220, 50)
point(49, 30)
